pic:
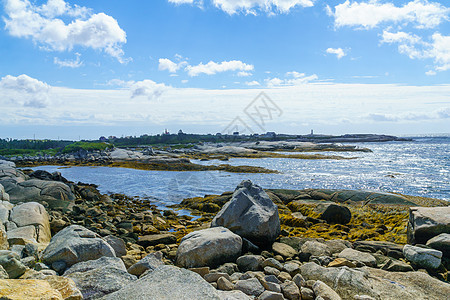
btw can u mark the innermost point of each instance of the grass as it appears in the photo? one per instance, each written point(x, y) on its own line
point(88, 146)
point(27, 152)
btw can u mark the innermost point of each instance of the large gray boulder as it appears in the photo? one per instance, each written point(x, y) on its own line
point(55, 193)
point(32, 214)
point(426, 223)
point(423, 257)
point(208, 247)
point(251, 214)
point(8, 172)
point(75, 244)
point(377, 283)
point(103, 262)
point(442, 243)
point(167, 282)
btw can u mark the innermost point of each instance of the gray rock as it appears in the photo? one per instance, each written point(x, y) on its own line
point(251, 287)
point(4, 196)
point(272, 286)
point(167, 282)
point(250, 263)
point(32, 214)
point(3, 273)
point(283, 250)
point(251, 214)
point(233, 295)
point(272, 262)
point(321, 289)
point(290, 290)
point(355, 255)
point(313, 248)
point(10, 261)
point(156, 239)
point(442, 243)
point(28, 262)
point(426, 223)
point(291, 268)
point(268, 295)
point(117, 244)
point(422, 257)
point(110, 262)
point(271, 271)
point(213, 277)
point(307, 294)
point(150, 262)
point(22, 235)
point(395, 265)
point(208, 247)
point(336, 246)
point(99, 282)
point(228, 268)
point(75, 244)
point(5, 209)
point(299, 280)
point(55, 193)
point(333, 213)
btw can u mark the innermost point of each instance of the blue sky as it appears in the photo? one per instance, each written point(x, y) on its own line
point(107, 67)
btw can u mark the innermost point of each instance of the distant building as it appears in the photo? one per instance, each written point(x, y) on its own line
point(312, 132)
point(180, 132)
point(236, 133)
point(166, 132)
point(270, 134)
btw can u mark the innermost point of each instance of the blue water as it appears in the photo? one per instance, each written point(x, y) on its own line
point(420, 167)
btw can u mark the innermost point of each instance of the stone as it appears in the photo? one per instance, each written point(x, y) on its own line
point(313, 248)
point(423, 257)
point(75, 244)
point(271, 271)
point(117, 244)
point(214, 276)
point(284, 250)
point(18, 289)
point(272, 286)
point(291, 268)
point(233, 295)
point(99, 282)
point(228, 268)
point(307, 294)
point(272, 262)
point(340, 262)
point(336, 246)
point(156, 239)
point(251, 214)
point(269, 295)
point(251, 287)
point(10, 261)
point(56, 194)
point(33, 214)
point(427, 222)
point(4, 196)
point(224, 284)
point(4, 245)
point(202, 271)
point(321, 289)
point(208, 247)
point(333, 213)
point(148, 263)
point(395, 265)
point(441, 242)
point(22, 235)
point(65, 286)
point(167, 282)
point(299, 280)
point(5, 208)
point(102, 262)
point(290, 290)
point(250, 263)
point(355, 255)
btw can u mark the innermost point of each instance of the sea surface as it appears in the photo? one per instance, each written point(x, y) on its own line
point(420, 167)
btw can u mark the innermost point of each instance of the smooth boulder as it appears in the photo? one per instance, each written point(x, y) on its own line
point(208, 247)
point(427, 222)
point(251, 214)
point(4, 196)
point(333, 213)
point(423, 257)
point(32, 214)
point(442, 243)
point(148, 263)
point(75, 244)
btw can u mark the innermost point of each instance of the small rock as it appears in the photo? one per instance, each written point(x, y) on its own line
point(284, 250)
point(290, 290)
point(224, 284)
point(213, 277)
point(340, 262)
point(299, 280)
point(291, 268)
point(271, 271)
point(322, 290)
point(251, 287)
point(156, 239)
point(307, 294)
point(269, 295)
point(250, 263)
point(355, 255)
point(150, 262)
point(272, 262)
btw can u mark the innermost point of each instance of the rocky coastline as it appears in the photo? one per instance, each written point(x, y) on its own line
point(65, 240)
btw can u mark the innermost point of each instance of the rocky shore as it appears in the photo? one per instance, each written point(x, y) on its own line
point(64, 240)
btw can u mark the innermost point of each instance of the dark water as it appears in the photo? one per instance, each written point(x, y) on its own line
point(420, 167)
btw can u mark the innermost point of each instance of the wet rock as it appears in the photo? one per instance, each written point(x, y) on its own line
point(208, 247)
point(441, 242)
point(10, 261)
point(75, 244)
point(427, 222)
point(251, 214)
point(148, 263)
point(250, 263)
point(167, 282)
point(251, 287)
point(355, 255)
point(333, 213)
point(423, 257)
point(156, 239)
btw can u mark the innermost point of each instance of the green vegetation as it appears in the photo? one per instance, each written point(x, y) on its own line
point(88, 146)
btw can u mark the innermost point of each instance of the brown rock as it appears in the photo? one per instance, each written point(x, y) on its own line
point(65, 286)
point(340, 262)
point(283, 249)
point(155, 239)
point(30, 289)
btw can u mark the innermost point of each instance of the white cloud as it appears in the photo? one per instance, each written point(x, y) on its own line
point(145, 88)
point(442, 113)
point(212, 68)
point(25, 90)
point(412, 45)
point(172, 67)
point(69, 63)
point(252, 83)
point(339, 52)
point(253, 6)
point(293, 79)
point(182, 1)
point(46, 26)
point(367, 15)
point(244, 74)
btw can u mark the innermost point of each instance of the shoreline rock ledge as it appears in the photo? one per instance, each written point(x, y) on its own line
point(250, 214)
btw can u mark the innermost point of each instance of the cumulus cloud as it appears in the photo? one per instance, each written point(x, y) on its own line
point(415, 47)
point(145, 88)
point(442, 113)
point(252, 83)
point(339, 52)
point(212, 68)
point(46, 26)
point(69, 63)
point(181, 1)
point(367, 15)
point(172, 67)
point(292, 79)
point(25, 90)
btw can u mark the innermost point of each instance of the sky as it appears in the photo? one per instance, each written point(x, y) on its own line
point(83, 69)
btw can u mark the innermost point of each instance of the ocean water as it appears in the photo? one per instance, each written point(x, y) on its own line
point(420, 167)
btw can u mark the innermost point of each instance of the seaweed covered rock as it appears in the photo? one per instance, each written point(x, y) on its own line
point(427, 222)
point(333, 213)
point(251, 214)
point(208, 247)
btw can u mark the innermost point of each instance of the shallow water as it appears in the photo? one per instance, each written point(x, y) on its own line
point(420, 167)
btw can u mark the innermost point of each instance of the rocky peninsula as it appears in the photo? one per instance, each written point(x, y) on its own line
point(65, 240)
